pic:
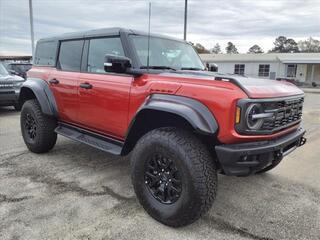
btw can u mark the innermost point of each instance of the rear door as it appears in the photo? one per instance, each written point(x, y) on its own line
point(103, 97)
point(64, 80)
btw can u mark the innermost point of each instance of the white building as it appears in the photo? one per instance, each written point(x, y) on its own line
point(303, 67)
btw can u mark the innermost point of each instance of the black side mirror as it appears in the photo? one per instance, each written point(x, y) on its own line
point(117, 64)
point(13, 72)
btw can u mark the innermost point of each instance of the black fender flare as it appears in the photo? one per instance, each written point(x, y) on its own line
point(42, 92)
point(194, 112)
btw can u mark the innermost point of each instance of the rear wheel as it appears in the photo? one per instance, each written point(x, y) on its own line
point(37, 129)
point(174, 176)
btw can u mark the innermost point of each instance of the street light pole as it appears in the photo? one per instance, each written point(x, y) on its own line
point(185, 19)
point(31, 27)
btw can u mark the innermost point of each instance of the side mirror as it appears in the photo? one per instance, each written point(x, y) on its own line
point(13, 72)
point(117, 64)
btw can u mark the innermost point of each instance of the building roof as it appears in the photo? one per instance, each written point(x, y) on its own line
point(263, 57)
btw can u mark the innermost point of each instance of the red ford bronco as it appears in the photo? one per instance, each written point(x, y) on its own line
point(127, 92)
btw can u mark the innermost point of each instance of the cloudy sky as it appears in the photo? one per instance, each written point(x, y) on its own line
point(244, 22)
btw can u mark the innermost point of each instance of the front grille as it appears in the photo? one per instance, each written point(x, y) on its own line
point(286, 113)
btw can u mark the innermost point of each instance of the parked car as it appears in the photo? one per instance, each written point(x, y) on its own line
point(9, 88)
point(19, 69)
point(124, 91)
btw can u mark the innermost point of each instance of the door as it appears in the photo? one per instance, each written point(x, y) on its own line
point(103, 97)
point(64, 80)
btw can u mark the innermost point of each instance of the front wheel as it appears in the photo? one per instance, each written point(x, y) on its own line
point(37, 129)
point(174, 176)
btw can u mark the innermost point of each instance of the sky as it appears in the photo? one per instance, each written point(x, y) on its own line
point(243, 22)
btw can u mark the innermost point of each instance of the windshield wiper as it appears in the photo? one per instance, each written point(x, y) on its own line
point(158, 67)
point(191, 68)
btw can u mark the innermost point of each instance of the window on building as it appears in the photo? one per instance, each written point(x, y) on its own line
point(264, 70)
point(46, 53)
point(239, 69)
point(291, 70)
point(70, 55)
point(98, 48)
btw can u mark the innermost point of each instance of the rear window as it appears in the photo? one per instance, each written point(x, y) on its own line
point(70, 55)
point(46, 53)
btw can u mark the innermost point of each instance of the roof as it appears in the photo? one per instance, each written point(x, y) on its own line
point(102, 32)
point(263, 57)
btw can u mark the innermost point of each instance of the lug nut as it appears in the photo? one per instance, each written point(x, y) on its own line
point(146, 182)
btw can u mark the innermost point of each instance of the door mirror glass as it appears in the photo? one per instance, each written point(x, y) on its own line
point(117, 64)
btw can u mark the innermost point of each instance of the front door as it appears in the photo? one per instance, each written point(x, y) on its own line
point(103, 97)
point(64, 80)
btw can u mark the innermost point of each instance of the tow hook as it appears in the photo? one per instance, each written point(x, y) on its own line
point(278, 155)
point(303, 141)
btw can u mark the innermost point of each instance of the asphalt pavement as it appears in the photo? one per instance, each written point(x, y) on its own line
point(77, 192)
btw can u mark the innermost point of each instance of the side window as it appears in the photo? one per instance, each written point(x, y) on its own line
point(98, 48)
point(46, 53)
point(264, 70)
point(70, 55)
point(239, 69)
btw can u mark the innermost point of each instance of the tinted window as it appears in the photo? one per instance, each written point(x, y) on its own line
point(70, 55)
point(98, 48)
point(46, 53)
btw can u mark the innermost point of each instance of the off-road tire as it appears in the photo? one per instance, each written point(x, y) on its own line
point(195, 165)
point(45, 138)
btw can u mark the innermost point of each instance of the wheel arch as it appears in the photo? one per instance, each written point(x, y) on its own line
point(35, 88)
point(160, 110)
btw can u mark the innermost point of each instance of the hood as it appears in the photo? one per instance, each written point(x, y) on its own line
point(253, 87)
point(10, 78)
point(267, 88)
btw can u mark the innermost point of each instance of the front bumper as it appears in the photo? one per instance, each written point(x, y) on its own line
point(9, 97)
point(248, 158)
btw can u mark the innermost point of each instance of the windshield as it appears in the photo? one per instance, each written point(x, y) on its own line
point(166, 53)
point(3, 70)
point(21, 68)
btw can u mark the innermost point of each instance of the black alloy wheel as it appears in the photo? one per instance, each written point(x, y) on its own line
point(162, 179)
point(30, 126)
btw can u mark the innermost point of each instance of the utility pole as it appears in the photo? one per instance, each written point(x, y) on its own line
point(31, 27)
point(185, 19)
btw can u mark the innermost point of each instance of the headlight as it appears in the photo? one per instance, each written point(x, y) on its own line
point(253, 119)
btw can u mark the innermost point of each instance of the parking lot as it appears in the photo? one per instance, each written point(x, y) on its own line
point(77, 192)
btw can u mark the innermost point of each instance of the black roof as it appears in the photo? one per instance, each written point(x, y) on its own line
point(100, 33)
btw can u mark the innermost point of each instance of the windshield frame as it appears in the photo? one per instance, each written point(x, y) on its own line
point(139, 65)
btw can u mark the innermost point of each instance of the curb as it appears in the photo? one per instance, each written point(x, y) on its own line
point(310, 90)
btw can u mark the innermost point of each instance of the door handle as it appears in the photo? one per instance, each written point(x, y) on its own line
point(53, 81)
point(86, 85)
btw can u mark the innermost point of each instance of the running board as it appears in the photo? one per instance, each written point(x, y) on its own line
point(90, 138)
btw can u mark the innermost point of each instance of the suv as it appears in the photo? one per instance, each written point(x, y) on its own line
point(19, 69)
point(124, 91)
point(9, 88)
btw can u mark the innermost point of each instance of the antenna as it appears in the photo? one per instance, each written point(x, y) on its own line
point(148, 58)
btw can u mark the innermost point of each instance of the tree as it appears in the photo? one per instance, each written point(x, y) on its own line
point(216, 49)
point(231, 48)
point(310, 45)
point(284, 45)
point(255, 49)
point(201, 49)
